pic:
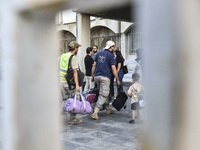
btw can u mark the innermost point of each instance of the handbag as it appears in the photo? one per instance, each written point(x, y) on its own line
point(125, 69)
point(70, 76)
point(120, 100)
point(73, 105)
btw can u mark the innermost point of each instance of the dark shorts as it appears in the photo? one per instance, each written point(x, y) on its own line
point(135, 106)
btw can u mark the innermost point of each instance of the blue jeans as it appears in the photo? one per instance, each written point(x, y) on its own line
point(121, 75)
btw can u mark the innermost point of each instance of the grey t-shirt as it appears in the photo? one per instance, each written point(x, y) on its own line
point(93, 56)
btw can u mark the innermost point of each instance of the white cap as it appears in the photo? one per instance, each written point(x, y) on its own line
point(109, 44)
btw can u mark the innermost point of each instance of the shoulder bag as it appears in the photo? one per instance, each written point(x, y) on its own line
point(125, 69)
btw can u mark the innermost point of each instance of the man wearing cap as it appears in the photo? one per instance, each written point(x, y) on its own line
point(66, 92)
point(104, 64)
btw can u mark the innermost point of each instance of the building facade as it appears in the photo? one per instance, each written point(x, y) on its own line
point(126, 35)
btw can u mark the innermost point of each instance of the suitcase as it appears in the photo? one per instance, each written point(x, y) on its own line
point(120, 100)
point(91, 98)
point(94, 91)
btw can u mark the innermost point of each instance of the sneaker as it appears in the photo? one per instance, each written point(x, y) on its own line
point(132, 121)
point(74, 121)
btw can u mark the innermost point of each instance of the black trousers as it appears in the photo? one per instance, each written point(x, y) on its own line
point(111, 86)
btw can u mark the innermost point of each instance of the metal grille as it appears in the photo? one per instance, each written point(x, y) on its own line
point(134, 39)
point(100, 41)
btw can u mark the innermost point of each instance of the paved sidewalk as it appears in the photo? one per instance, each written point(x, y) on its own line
point(110, 132)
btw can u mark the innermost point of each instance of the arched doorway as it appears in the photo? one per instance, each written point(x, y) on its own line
point(134, 40)
point(100, 35)
point(65, 38)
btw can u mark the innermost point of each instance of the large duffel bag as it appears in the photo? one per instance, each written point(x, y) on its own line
point(73, 105)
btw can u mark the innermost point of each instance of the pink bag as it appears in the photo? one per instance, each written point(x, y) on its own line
point(73, 105)
point(91, 98)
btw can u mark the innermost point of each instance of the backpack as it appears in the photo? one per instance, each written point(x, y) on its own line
point(138, 95)
point(70, 75)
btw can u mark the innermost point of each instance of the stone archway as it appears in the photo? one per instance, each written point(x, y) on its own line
point(65, 38)
point(100, 35)
point(134, 40)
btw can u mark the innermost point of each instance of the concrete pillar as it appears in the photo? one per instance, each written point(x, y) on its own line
point(171, 54)
point(59, 18)
point(83, 37)
point(123, 45)
point(119, 39)
point(30, 79)
point(188, 120)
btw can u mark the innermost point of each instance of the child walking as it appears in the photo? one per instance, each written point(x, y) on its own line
point(134, 92)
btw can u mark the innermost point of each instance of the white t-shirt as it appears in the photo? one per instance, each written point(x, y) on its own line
point(134, 90)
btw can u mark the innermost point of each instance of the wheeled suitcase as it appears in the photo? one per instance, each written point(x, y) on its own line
point(94, 91)
point(91, 98)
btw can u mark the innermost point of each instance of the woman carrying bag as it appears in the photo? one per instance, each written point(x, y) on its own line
point(119, 67)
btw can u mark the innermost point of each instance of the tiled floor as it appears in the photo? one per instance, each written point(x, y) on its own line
point(110, 132)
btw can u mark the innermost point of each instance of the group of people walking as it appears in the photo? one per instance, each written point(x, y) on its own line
point(101, 68)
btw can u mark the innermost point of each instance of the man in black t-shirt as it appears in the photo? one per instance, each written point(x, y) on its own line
point(88, 68)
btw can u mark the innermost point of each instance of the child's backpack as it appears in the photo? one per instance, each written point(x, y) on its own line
point(138, 95)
